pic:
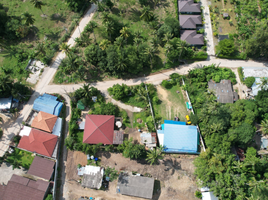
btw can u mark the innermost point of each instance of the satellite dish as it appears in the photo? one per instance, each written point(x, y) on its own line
point(118, 124)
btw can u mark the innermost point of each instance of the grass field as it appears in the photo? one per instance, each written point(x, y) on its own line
point(23, 158)
point(52, 26)
point(172, 103)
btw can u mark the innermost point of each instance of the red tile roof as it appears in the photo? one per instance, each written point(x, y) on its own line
point(20, 188)
point(44, 121)
point(39, 142)
point(42, 167)
point(99, 129)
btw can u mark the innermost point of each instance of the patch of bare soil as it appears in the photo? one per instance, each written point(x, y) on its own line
point(175, 173)
point(74, 158)
point(164, 94)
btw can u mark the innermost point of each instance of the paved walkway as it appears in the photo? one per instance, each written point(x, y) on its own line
point(208, 29)
point(47, 76)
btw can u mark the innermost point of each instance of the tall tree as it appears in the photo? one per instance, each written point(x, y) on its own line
point(264, 126)
point(104, 44)
point(119, 42)
point(92, 25)
point(38, 4)
point(125, 33)
point(147, 14)
point(154, 155)
point(167, 49)
point(167, 37)
point(27, 18)
point(150, 51)
point(182, 45)
point(66, 48)
point(109, 27)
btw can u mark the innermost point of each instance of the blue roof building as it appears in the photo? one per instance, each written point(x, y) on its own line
point(48, 103)
point(177, 137)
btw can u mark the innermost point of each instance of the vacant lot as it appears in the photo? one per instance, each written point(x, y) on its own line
point(175, 174)
point(173, 103)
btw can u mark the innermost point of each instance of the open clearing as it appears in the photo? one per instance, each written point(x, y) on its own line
point(172, 103)
point(175, 173)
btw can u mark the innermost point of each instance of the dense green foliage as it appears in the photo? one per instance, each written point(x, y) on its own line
point(249, 81)
point(111, 173)
point(131, 150)
point(153, 156)
point(226, 47)
point(224, 126)
point(49, 197)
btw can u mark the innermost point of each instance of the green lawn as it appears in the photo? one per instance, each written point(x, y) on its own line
point(172, 104)
point(23, 158)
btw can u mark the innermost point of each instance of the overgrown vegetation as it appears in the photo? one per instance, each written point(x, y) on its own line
point(19, 158)
point(126, 39)
point(224, 126)
point(111, 173)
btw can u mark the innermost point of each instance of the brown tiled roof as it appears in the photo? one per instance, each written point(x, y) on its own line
point(44, 121)
point(20, 188)
point(41, 167)
point(192, 37)
point(190, 21)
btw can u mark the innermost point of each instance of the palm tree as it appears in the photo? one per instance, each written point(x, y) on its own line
point(156, 2)
point(150, 51)
point(27, 18)
point(137, 41)
point(109, 26)
point(167, 37)
point(105, 17)
point(121, 63)
point(168, 47)
point(104, 44)
point(119, 41)
point(264, 126)
point(41, 48)
point(263, 84)
point(154, 42)
point(65, 48)
point(125, 33)
point(154, 155)
point(182, 44)
point(146, 15)
point(138, 35)
point(76, 21)
point(38, 4)
point(93, 25)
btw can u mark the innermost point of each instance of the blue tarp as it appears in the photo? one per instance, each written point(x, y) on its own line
point(174, 122)
point(180, 138)
point(48, 103)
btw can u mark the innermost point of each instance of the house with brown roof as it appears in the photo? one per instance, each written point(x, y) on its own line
point(39, 142)
point(188, 7)
point(190, 21)
point(191, 37)
point(42, 168)
point(44, 121)
point(100, 129)
point(21, 188)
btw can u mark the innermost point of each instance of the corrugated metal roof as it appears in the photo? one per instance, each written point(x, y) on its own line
point(42, 167)
point(57, 127)
point(174, 122)
point(180, 138)
point(48, 103)
point(208, 196)
point(255, 72)
point(5, 103)
point(99, 129)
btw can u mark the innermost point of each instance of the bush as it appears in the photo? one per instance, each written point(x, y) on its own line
point(166, 84)
point(249, 81)
point(201, 55)
point(198, 194)
point(111, 173)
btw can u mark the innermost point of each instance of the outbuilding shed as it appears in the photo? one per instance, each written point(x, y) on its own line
point(48, 103)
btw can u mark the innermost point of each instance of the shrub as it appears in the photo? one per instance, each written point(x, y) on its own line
point(198, 194)
point(111, 173)
point(155, 100)
point(249, 81)
point(166, 84)
point(241, 74)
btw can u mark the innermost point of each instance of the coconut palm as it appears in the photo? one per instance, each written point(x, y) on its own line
point(137, 34)
point(263, 84)
point(105, 17)
point(167, 37)
point(65, 48)
point(182, 45)
point(27, 18)
point(119, 42)
point(104, 44)
point(125, 33)
point(109, 27)
point(156, 2)
point(92, 25)
point(147, 14)
point(150, 51)
point(38, 4)
point(167, 49)
point(40, 48)
point(154, 155)
point(76, 21)
point(120, 65)
point(264, 126)
point(154, 42)
point(137, 41)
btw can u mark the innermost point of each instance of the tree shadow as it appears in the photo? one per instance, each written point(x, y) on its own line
point(106, 154)
point(135, 15)
point(57, 18)
point(157, 189)
point(53, 35)
point(172, 165)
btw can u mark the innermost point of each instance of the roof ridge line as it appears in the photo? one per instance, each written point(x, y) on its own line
point(46, 142)
point(102, 132)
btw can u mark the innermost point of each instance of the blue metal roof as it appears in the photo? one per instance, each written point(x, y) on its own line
point(180, 138)
point(48, 103)
point(174, 122)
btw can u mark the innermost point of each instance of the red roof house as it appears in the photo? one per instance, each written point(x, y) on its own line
point(44, 121)
point(99, 129)
point(39, 142)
